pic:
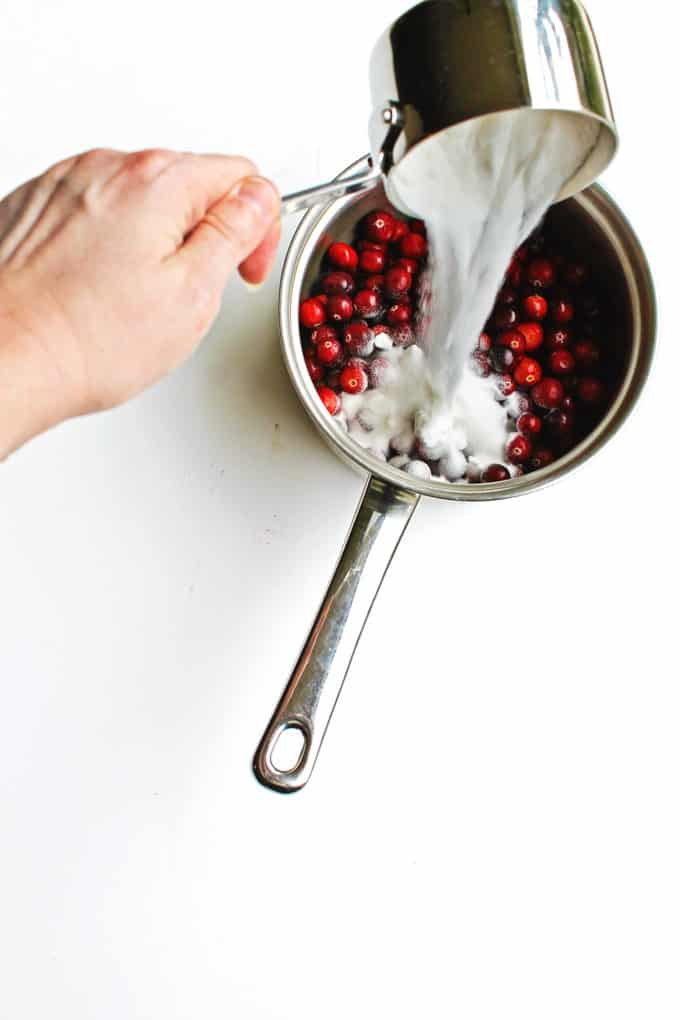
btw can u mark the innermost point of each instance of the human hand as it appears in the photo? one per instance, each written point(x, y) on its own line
point(112, 267)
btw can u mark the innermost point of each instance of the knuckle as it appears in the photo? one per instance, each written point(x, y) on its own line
point(148, 163)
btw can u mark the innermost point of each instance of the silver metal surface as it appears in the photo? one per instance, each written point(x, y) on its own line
point(591, 221)
point(308, 197)
point(446, 62)
point(310, 697)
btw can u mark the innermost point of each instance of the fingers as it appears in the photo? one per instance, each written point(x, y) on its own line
point(233, 229)
point(255, 268)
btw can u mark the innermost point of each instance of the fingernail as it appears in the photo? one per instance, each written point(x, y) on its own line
point(252, 287)
point(258, 192)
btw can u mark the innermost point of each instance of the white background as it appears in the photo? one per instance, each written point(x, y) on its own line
point(492, 829)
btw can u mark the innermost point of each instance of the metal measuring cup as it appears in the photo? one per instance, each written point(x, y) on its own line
point(446, 62)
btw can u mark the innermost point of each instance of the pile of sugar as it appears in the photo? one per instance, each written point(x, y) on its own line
point(482, 191)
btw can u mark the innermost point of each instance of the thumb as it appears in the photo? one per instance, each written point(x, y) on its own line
point(231, 229)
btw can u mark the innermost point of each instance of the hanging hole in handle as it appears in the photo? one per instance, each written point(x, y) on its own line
point(289, 749)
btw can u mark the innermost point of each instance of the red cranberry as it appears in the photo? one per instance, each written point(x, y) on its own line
point(372, 261)
point(367, 304)
point(515, 274)
point(397, 281)
point(522, 254)
point(399, 230)
point(575, 273)
point(528, 372)
point(359, 339)
point(339, 308)
point(323, 333)
point(549, 393)
point(506, 317)
point(312, 313)
point(314, 368)
point(481, 364)
point(541, 273)
point(562, 311)
point(370, 246)
point(541, 458)
point(417, 227)
point(413, 246)
point(529, 424)
point(591, 391)
point(587, 353)
point(399, 312)
point(402, 335)
point(330, 400)
point(410, 265)
point(518, 450)
point(495, 473)
point(503, 359)
point(379, 226)
point(333, 379)
point(376, 281)
point(513, 339)
point(561, 362)
point(561, 422)
point(329, 352)
point(532, 333)
point(343, 256)
point(484, 342)
point(506, 296)
point(557, 339)
point(353, 379)
point(337, 283)
point(323, 298)
point(506, 385)
point(536, 306)
point(568, 404)
point(379, 372)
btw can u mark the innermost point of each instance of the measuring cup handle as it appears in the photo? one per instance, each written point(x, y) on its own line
point(308, 701)
point(308, 197)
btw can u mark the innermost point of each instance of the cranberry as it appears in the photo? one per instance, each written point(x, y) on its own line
point(379, 226)
point(333, 379)
point(397, 281)
point(410, 265)
point(329, 352)
point(367, 304)
point(322, 298)
point(372, 261)
point(562, 311)
point(532, 333)
point(587, 353)
point(536, 306)
point(481, 364)
point(503, 359)
point(376, 281)
point(568, 404)
point(506, 385)
point(359, 339)
point(329, 398)
point(549, 393)
point(343, 256)
point(413, 246)
point(557, 339)
point(337, 283)
point(340, 308)
point(370, 246)
point(515, 274)
point(518, 450)
point(353, 379)
point(561, 422)
point(314, 368)
point(495, 473)
point(529, 424)
point(522, 254)
point(561, 362)
point(513, 339)
point(399, 230)
point(575, 273)
point(506, 317)
point(312, 313)
point(541, 273)
point(399, 312)
point(403, 335)
point(417, 227)
point(506, 296)
point(323, 333)
point(541, 458)
point(591, 391)
point(419, 469)
point(528, 372)
point(380, 370)
point(484, 342)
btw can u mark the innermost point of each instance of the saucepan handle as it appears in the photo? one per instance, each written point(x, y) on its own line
point(308, 702)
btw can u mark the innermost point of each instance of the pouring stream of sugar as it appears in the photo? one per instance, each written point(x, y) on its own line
point(487, 186)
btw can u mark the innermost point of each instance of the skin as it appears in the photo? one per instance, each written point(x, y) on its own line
point(112, 267)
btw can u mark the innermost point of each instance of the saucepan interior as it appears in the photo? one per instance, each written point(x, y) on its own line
point(589, 226)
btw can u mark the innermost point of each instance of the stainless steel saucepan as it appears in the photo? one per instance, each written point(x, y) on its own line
point(589, 222)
